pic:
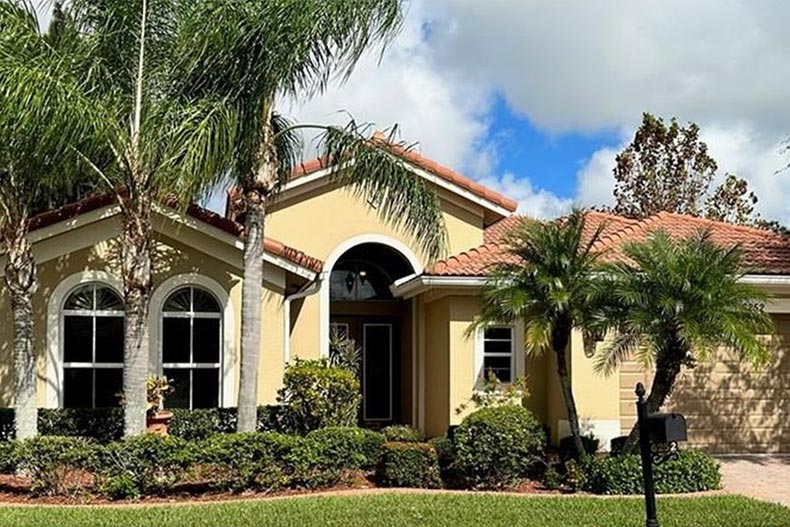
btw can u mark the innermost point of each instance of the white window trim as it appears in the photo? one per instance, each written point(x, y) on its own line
point(517, 363)
point(228, 352)
point(54, 360)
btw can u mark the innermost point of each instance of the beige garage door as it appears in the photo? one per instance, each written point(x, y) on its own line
point(728, 407)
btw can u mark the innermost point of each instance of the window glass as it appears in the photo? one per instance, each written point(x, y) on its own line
point(93, 333)
point(192, 348)
point(498, 352)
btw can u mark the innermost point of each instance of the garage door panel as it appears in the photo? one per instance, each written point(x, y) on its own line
point(729, 407)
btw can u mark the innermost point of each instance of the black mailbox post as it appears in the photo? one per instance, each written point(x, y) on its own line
point(659, 435)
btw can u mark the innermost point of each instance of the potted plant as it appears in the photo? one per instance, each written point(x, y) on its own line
point(157, 418)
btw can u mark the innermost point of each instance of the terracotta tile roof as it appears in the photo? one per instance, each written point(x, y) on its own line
point(765, 252)
point(425, 163)
point(99, 201)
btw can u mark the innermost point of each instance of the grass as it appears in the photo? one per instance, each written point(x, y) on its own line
point(400, 510)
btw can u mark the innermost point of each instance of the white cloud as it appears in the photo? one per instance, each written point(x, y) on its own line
point(534, 202)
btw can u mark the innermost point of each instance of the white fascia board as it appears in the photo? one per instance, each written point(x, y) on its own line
point(411, 286)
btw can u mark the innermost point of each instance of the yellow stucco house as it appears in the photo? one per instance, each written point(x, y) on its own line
point(331, 263)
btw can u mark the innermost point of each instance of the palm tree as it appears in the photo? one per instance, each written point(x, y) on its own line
point(548, 282)
point(40, 125)
point(675, 302)
point(253, 52)
point(160, 144)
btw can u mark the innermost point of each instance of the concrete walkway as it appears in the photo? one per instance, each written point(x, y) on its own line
point(763, 477)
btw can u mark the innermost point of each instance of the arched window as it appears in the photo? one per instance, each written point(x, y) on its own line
point(93, 331)
point(192, 348)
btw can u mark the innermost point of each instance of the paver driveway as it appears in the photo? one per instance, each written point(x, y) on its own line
point(762, 477)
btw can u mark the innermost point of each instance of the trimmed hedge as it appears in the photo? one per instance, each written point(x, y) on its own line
point(105, 425)
point(692, 471)
point(403, 434)
point(51, 463)
point(407, 464)
point(495, 447)
point(349, 447)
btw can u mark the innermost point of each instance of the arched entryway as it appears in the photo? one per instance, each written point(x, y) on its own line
point(363, 308)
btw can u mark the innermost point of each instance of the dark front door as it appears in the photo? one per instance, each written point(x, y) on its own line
point(377, 339)
point(377, 372)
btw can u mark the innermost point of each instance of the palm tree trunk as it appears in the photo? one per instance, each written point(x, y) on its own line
point(20, 277)
point(570, 401)
point(251, 299)
point(667, 371)
point(136, 249)
point(255, 195)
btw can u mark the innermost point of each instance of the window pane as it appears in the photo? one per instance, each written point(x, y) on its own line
point(175, 339)
point(205, 392)
point(498, 333)
point(109, 387)
point(77, 387)
point(179, 380)
point(80, 299)
point(109, 339)
point(178, 301)
point(107, 300)
point(500, 367)
point(205, 345)
point(77, 339)
point(498, 347)
point(202, 302)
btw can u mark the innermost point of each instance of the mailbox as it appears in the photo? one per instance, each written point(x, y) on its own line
point(666, 428)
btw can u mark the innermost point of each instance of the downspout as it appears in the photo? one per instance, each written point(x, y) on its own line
point(310, 289)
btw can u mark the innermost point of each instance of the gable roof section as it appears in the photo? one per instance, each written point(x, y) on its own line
point(100, 201)
point(765, 252)
point(317, 169)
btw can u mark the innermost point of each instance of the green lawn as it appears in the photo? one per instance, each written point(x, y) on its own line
point(411, 510)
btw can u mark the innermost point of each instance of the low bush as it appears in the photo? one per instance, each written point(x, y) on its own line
point(9, 457)
point(6, 424)
point(568, 447)
point(55, 465)
point(317, 395)
point(409, 465)
point(403, 434)
point(495, 447)
point(142, 465)
point(348, 447)
point(102, 425)
point(692, 471)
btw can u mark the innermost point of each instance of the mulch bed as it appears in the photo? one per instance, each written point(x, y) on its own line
point(15, 490)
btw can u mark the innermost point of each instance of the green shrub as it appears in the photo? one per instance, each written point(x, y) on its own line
point(691, 472)
point(568, 446)
point(409, 465)
point(552, 479)
point(316, 395)
point(194, 425)
point(348, 447)
point(102, 425)
point(9, 457)
point(142, 465)
point(497, 446)
point(264, 461)
point(403, 434)
point(52, 463)
point(445, 451)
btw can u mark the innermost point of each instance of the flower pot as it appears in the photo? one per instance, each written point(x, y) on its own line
point(158, 422)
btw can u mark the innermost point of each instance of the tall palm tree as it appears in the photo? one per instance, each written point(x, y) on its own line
point(548, 282)
point(253, 52)
point(40, 125)
point(675, 302)
point(160, 144)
